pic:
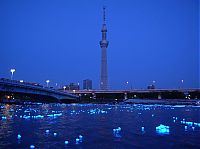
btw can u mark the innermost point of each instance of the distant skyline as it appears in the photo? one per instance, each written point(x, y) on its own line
point(155, 40)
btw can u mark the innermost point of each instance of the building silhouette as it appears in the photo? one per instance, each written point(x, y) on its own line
point(87, 84)
point(104, 45)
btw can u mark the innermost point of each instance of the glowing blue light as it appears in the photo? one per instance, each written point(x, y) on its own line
point(32, 146)
point(119, 128)
point(3, 118)
point(19, 136)
point(81, 137)
point(59, 114)
point(192, 128)
point(26, 117)
point(162, 129)
point(50, 115)
point(189, 123)
point(77, 140)
point(47, 131)
point(55, 134)
point(116, 132)
point(39, 116)
point(66, 142)
point(142, 128)
point(185, 127)
point(196, 124)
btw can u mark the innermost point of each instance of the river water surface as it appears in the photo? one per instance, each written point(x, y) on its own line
point(99, 126)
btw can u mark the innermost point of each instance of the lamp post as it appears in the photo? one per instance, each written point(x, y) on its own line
point(47, 81)
point(126, 85)
point(182, 83)
point(64, 87)
point(12, 72)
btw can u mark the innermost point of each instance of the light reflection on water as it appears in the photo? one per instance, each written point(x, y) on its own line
point(142, 126)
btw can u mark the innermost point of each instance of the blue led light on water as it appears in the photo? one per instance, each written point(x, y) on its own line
point(80, 137)
point(32, 146)
point(185, 127)
point(47, 131)
point(66, 142)
point(59, 114)
point(116, 132)
point(77, 140)
point(19, 136)
point(142, 128)
point(3, 118)
point(162, 129)
point(39, 116)
point(55, 134)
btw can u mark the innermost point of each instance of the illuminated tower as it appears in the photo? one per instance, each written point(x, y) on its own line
point(104, 45)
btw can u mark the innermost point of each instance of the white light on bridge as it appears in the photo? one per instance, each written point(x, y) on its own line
point(21, 81)
point(47, 81)
point(64, 87)
point(12, 72)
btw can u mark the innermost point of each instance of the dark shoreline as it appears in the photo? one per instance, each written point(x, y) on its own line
point(194, 102)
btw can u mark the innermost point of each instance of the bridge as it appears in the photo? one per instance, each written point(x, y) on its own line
point(24, 91)
point(122, 95)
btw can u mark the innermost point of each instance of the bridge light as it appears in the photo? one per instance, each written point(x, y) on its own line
point(182, 83)
point(12, 72)
point(21, 81)
point(47, 81)
point(64, 87)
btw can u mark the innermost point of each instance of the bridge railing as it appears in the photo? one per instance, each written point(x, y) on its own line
point(33, 86)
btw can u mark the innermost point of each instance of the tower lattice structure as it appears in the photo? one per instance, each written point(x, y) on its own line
point(104, 44)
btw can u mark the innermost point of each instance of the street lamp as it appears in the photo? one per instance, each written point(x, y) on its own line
point(12, 72)
point(47, 81)
point(64, 87)
point(127, 85)
point(181, 83)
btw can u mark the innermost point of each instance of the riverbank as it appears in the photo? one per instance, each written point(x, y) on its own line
point(164, 101)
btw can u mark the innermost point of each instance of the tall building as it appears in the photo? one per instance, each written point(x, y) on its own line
point(87, 84)
point(104, 45)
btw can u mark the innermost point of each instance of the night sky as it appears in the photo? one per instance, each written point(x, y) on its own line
point(59, 40)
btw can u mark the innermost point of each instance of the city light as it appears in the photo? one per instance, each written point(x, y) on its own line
point(64, 87)
point(47, 81)
point(182, 83)
point(12, 72)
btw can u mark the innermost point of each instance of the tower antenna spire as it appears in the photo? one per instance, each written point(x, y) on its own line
point(104, 45)
point(104, 14)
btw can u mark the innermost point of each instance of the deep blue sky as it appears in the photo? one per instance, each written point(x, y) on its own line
point(59, 40)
